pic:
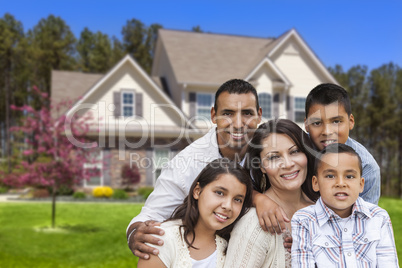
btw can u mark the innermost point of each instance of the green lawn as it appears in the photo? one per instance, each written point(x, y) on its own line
point(93, 235)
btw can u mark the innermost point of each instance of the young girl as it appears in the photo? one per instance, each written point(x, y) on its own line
point(196, 235)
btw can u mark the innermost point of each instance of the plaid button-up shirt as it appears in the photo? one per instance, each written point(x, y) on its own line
point(323, 239)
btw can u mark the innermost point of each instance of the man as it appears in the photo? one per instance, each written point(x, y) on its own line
point(236, 114)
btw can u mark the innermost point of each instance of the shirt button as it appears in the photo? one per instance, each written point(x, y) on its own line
point(365, 239)
point(346, 229)
point(326, 243)
point(349, 254)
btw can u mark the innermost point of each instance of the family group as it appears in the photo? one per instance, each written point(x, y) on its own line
point(268, 194)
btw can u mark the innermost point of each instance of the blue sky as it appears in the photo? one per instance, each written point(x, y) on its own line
point(340, 32)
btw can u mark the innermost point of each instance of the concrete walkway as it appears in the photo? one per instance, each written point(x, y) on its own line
point(8, 197)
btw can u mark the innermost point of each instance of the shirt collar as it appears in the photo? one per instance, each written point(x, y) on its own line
point(324, 213)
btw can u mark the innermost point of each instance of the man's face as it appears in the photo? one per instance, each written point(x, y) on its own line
point(328, 124)
point(339, 181)
point(236, 119)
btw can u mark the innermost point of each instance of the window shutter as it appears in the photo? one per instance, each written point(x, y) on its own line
point(138, 104)
point(149, 180)
point(193, 104)
point(117, 104)
point(290, 108)
point(276, 105)
point(107, 178)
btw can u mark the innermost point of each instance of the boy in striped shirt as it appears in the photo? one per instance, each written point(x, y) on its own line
point(341, 229)
point(329, 119)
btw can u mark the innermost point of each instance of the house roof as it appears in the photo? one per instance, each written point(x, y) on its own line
point(199, 57)
point(67, 85)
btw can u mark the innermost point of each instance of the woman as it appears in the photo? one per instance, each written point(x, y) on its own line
point(196, 234)
point(281, 163)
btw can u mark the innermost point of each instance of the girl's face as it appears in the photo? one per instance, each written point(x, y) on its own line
point(219, 202)
point(283, 162)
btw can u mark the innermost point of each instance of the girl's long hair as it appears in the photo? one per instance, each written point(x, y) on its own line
point(188, 211)
point(300, 138)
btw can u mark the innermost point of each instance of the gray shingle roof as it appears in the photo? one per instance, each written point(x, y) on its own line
point(67, 85)
point(71, 85)
point(200, 57)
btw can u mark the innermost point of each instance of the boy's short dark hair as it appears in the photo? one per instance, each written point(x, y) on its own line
point(326, 94)
point(236, 86)
point(336, 148)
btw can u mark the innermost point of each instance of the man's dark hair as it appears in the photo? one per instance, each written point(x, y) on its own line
point(336, 148)
point(326, 94)
point(236, 86)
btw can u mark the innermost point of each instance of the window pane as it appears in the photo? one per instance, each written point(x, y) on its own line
point(300, 103)
point(158, 172)
point(128, 111)
point(265, 104)
point(127, 98)
point(95, 177)
point(204, 100)
point(201, 112)
point(161, 157)
point(299, 116)
point(204, 104)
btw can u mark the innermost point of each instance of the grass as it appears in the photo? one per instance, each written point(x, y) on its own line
point(394, 209)
point(88, 235)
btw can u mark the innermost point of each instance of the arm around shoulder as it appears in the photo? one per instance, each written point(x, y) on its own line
point(152, 262)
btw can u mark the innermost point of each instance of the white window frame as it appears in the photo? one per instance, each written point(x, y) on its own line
point(157, 164)
point(206, 107)
point(270, 104)
point(123, 105)
point(299, 109)
point(97, 165)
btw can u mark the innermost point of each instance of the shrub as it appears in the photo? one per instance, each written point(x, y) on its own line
point(41, 193)
point(145, 191)
point(65, 190)
point(130, 175)
point(102, 191)
point(3, 190)
point(79, 195)
point(120, 194)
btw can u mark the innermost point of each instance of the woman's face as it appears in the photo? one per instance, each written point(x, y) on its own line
point(283, 162)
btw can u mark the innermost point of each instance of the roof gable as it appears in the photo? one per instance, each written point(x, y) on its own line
point(128, 69)
point(267, 62)
point(284, 40)
point(199, 57)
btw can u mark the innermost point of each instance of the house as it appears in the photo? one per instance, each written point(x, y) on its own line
point(146, 119)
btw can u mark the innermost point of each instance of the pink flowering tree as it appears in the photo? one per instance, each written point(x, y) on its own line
point(49, 137)
point(130, 175)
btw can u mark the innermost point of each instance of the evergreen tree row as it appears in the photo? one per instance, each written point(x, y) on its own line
point(376, 98)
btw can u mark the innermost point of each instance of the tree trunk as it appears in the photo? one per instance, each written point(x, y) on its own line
point(53, 206)
point(7, 102)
